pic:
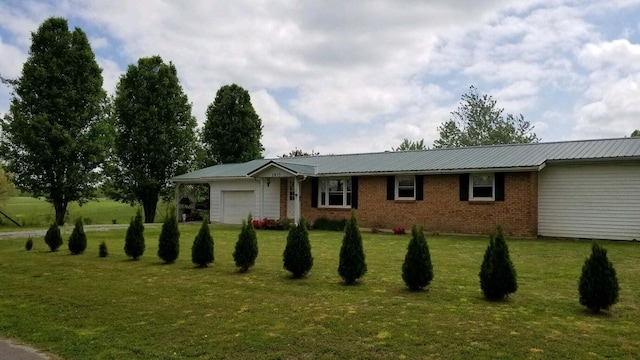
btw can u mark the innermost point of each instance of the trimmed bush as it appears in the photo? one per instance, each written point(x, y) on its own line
point(78, 239)
point(352, 262)
point(169, 242)
point(246, 250)
point(53, 237)
point(297, 253)
point(324, 223)
point(417, 270)
point(134, 241)
point(202, 250)
point(29, 244)
point(497, 274)
point(102, 251)
point(598, 285)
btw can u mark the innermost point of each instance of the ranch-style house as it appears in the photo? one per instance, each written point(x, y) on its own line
point(576, 189)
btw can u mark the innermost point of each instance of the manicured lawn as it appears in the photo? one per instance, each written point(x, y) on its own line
point(86, 307)
point(33, 212)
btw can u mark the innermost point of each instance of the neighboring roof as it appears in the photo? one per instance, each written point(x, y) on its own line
point(514, 157)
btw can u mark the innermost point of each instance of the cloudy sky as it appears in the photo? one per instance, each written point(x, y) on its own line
point(359, 76)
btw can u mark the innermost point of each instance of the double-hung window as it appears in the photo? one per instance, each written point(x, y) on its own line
point(405, 188)
point(481, 187)
point(335, 192)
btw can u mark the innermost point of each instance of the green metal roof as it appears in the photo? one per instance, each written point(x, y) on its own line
point(451, 160)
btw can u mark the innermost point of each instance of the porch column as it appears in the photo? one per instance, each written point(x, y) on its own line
point(177, 195)
point(296, 190)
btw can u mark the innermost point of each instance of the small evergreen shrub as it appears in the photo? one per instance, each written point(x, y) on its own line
point(53, 237)
point(134, 241)
point(497, 273)
point(352, 262)
point(78, 239)
point(29, 244)
point(324, 223)
point(102, 251)
point(246, 250)
point(417, 270)
point(169, 242)
point(598, 285)
point(297, 253)
point(202, 253)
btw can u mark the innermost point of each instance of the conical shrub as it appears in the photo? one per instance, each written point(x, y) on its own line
point(29, 244)
point(78, 239)
point(202, 253)
point(102, 250)
point(352, 261)
point(297, 253)
point(417, 270)
point(169, 242)
point(53, 237)
point(246, 250)
point(134, 241)
point(497, 273)
point(598, 285)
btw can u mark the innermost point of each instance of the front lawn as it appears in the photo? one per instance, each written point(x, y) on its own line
point(87, 307)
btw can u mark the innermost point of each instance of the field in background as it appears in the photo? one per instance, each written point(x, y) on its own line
point(33, 212)
point(86, 307)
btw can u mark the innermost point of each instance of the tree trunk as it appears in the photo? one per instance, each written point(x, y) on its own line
point(149, 204)
point(61, 210)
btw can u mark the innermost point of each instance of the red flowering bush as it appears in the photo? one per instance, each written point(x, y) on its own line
point(399, 230)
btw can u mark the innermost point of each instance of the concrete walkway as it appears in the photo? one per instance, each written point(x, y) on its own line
point(66, 230)
point(12, 351)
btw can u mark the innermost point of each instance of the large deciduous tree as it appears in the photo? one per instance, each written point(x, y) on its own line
point(478, 121)
point(6, 187)
point(232, 130)
point(155, 138)
point(56, 132)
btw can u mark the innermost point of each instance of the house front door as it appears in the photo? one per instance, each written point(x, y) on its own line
point(291, 198)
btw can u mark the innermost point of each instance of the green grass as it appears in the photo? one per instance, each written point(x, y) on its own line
point(32, 212)
point(86, 307)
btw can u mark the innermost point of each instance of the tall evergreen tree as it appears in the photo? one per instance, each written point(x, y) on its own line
point(134, 241)
point(155, 138)
point(497, 273)
point(202, 251)
point(246, 250)
point(417, 271)
point(297, 253)
point(169, 242)
point(233, 130)
point(352, 262)
point(598, 285)
point(78, 239)
point(53, 237)
point(57, 132)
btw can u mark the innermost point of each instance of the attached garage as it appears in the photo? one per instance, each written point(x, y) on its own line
point(593, 201)
point(237, 205)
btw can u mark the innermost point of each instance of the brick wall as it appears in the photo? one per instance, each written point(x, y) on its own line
point(441, 210)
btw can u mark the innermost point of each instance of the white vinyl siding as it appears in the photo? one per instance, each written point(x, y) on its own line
point(598, 201)
point(266, 198)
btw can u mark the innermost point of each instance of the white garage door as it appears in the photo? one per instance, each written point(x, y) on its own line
point(590, 201)
point(236, 206)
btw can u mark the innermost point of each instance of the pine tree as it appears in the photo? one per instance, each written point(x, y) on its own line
point(134, 241)
point(169, 243)
point(78, 240)
point(352, 262)
point(202, 253)
point(598, 285)
point(29, 244)
point(103, 252)
point(297, 253)
point(497, 274)
point(53, 237)
point(417, 270)
point(246, 250)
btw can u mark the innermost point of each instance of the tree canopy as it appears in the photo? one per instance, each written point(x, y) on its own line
point(6, 187)
point(478, 121)
point(56, 134)
point(233, 130)
point(408, 145)
point(635, 133)
point(299, 152)
point(154, 134)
